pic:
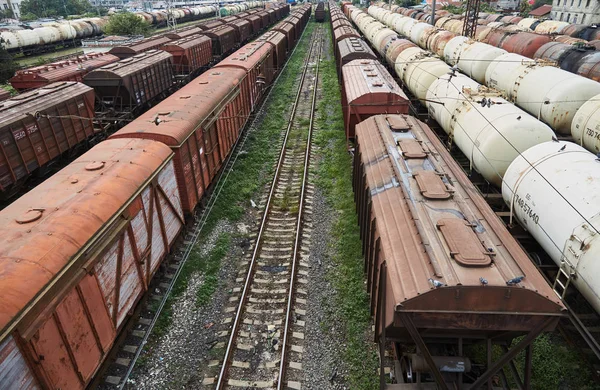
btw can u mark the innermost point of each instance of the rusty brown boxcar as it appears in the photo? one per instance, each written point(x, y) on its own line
point(223, 39)
point(210, 24)
point(38, 126)
point(442, 270)
point(200, 122)
point(255, 22)
point(132, 49)
point(279, 42)
point(132, 82)
point(368, 89)
point(243, 30)
point(288, 30)
point(265, 20)
point(69, 70)
point(77, 253)
point(184, 33)
point(351, 49)
point(256, 60)
point(190, 54)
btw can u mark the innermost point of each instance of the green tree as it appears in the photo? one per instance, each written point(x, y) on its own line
point(126, 23)
point(7, 66)
point(6, 14)
point(524, 8)
point(54, 8)
point(407, 3)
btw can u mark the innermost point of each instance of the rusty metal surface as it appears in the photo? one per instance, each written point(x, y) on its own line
point(288, 30)
point(256, 59)
point(344, 32)
point(524, 43)
point(351, 49)
point(27, 143)
point(400, 226)
point(190, 54)
point(188, 122)
point(211, 24)
point(368, 89)
point(278, 41)
point(133, 81)
point(243, 29)
point(70, 70)
point(38, 238)
point(223, 39)
point(184, 33)
point(126, 51)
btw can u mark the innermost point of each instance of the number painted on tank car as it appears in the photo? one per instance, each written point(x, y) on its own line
point(593, 133)
point(527, 209)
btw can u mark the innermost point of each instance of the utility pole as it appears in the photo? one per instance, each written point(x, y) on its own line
point(471, 17)
point(433, 12)
point(171, 20)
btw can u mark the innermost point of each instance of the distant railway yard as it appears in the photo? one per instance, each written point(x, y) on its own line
point(308, 196)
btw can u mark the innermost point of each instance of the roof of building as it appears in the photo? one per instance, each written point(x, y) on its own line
point(541, 11)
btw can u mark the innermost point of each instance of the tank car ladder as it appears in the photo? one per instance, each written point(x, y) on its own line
point(563, 279)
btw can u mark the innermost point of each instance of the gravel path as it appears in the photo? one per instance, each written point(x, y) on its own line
point(187, 344)
point(322, 360)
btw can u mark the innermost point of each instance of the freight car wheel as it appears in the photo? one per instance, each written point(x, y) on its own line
point(406, 374)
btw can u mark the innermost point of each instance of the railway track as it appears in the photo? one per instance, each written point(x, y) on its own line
point(264, 349)
point(128, 348)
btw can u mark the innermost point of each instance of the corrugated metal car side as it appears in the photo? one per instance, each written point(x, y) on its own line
point(28, 143)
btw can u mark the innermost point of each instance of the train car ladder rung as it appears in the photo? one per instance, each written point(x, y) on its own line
point(560, 287)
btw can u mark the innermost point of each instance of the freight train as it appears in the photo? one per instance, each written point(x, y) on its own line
point(65, 33)
point(62, 117)
point(430, 239)
point(88, 240)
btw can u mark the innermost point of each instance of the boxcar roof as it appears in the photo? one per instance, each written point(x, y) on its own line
point(140, 46)
point(184, 111)
point(53, 227)
point(367, 81)
point(434, 224)
point(354, 48)
point(62, 70)
point(247, 57)
point(187, 42)
point(29, 103)
point(184, 32)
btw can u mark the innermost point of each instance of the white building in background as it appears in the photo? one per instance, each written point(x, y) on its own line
point(15, 5)
point(576, 11)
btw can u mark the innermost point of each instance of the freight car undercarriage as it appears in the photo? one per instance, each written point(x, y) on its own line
point(425, 360)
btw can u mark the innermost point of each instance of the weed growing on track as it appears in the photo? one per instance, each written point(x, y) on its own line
point(251, 172)
point(334, 177)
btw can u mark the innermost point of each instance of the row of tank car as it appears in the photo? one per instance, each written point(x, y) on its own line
point(89, 239)
point(572, 47)
point(47, 36)
point(505, 129)
point(442, 270)
point(69, 103)
point(502, 22)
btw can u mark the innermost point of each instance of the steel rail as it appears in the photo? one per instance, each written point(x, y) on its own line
point(299, 221)
point(282, 154)
point(203, 217)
